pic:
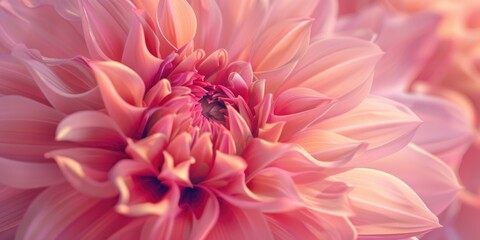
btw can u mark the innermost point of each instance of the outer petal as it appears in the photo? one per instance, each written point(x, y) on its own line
point(93, 129)
point(122, 92)
point(338, 67)
point(385, 125)
point(106, 25)
point(235, 223)
point(427, 175)
point(68, 84)
point(176, 21)
point(209, 26)
point(384, 206)
point(62, 213)
point(445, 132)
point(307, 224)
point(136, 54)
point(20, 23)
point(15, 80)
point(87, 169)
point(13, 205)
point(27, 131)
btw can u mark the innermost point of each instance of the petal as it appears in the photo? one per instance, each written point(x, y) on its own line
point(280, 44)
point(20, 23)
point(406, 51)
point(136, 54)
point(13, 205)
point(384, 206)
point(86, 169)
point(235, 223)
point(445, 132)
point(93, 129)
point(328, 146)
point(209, 19)
point(225, 168)
point(433, 181)
point(62, 213)
point(325, 15)
point(307, 224)
point(385, 125)
point(176, 21)
point(19, 174)
point(106, 25)
point(16, 81)
point(298, 108)
point(27, 129)
point(238, 128)
point(68, 84)
point(122, 92)
point(338, 67)
point(198, 217)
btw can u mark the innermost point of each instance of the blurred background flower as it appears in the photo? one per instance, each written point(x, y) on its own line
point(210, 119)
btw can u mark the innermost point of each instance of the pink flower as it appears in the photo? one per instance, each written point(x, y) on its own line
point(204, 120)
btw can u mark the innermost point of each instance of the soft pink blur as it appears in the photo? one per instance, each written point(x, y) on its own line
point(210, 119)
point(451, 71)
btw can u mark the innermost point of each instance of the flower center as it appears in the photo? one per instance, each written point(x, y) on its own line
point(213, 108)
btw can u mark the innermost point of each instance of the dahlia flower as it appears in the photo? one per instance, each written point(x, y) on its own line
point(204, 119)
point(448, 69)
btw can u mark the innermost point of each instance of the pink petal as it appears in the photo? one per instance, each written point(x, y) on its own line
point(176, 21)
point(433, 181)
point(384, 206)
point(308, 224)
point(136, 54)
point(209, 26)
point(225, 168)
point(385, 125)
point(280, 44)
point(445, 132)
point(106, 25)
point(68, 9)
point(16, 81)
point(62, 213)
point(68, 84)
point(338, 67)
point(20, 23)
point(92, 129)
point(235, 223)
point(325, 15)
point(122, 92)
point(298, 108)
point(13, 205)
point(328, 146)
point(20, 174)
point(86, 169)
point(239, 129)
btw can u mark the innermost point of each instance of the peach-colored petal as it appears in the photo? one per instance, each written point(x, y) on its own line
point(86, 169)
point(209, 19)
point(385, 206)
point(136, 54)
point(387, 129)
point(280, 44)
point(176, 21)
point(106, 25)
point(299, 108)
point(340, 68)
point(239, 129)
point(123, 101)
